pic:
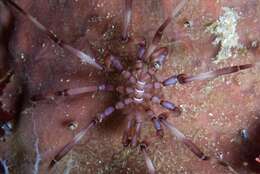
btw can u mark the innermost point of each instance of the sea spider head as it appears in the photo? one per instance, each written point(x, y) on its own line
point(138, 85)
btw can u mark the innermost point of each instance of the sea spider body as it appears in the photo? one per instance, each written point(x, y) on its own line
point(137, 87)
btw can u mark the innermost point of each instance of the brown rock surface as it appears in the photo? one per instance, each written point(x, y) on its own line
point(213, 111)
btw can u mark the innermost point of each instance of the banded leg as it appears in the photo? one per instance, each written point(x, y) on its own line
point(113, 61)
point(84, 57)
point(154, 85)
point(137, 130)
point(127, 19)
point(143, 148)
point(177, 10)
point(127, 75)
point(156, 123)
point(158, 57)
point(141, 47)
point(166, 104)
point(104, 115)
point(183, 78)
point(158, 35)
point(126, 139)
point(71, 144)
point(109, 110)
point(133, 131)
point(125, 90)
point(148, 161)
point(75, 91)
point(181, 137)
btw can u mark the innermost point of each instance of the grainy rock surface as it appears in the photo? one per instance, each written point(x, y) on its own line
point(213, 111)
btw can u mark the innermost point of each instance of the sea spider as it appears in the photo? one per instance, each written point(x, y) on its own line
point(137, 87)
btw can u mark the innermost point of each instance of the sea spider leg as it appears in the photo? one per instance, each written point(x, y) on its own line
point(127, 19)
point(113, 61)
point(158, 57)
point(125, 90)
point(105, 114)
point(130, 134)
point(143, 148)
point(137, 132)
point(166, 105)
point(156, 39)
point(213, 74)
point(182, 138)
point(128, 76)
point(141, 46)
point(158, 34)
point(83, 56)
point(71, 144)
point(183, 78)
point(148, 161)
point(126, 139)
point(156, 123)
point(75, 91)
point(84, 90)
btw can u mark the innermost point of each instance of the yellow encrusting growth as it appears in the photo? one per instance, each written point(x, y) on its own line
point(226, 36)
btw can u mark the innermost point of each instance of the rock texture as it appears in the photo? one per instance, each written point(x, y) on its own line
point(214, 111)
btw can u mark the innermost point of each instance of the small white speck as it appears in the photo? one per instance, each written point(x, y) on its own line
point(72, 126)
point(22, 56)
point(254, 44)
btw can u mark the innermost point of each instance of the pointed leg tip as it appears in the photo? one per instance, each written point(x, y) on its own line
point(52, 163)
point(177, 112)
